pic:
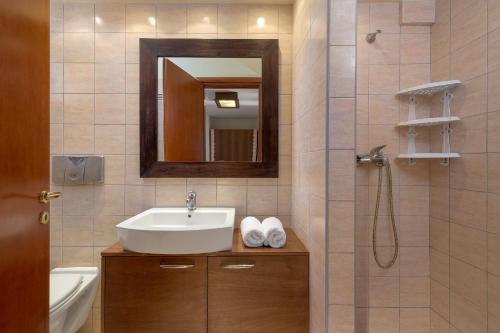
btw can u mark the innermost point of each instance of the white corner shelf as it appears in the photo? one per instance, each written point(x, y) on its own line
point(428, 121)
point(429, 89)
point(429, 155)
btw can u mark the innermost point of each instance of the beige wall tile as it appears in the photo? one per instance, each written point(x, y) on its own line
point(440, 267)
point(384, 79)
point(78, 47)
point(78, 139)
point(468, 208)
point(470, 61)
point(469, 24)
point(468, 245)
point(110, 17)
point(140, 18)
point(262, 200)
point(78, 200)
point(270, 14)
point(415, 49)
point(201, 19)
point(109, 200)
point(469, 172)
point(418, 11)
point(343, 22)
point(385, 16)
point(466, 316)
point(232, 19)
point(438, 323)
point(78, 17)
point(56, 16)
point(77, 256)
point(471, 98)
point(414, 261)
point(468, 282)
point(342, 71)
point(414, 230)
point(414, 320)
point(171, 18)
point(132, 78)
point(414, 292)
point(56, 47)
point(109, 47)
point(110, 139)
point(114, 169)
point(440, 300)
point(78, 108)
point(494, 213)
point(494, 254)
point(493, 95)
point(341, 231)
point(378, 320)
point(78, 78)
point(132, 42)
point(385, 50)
point(440, 235)
point(138, 198)
point(109, 109)
point(110, 78)
point(56, 78)
point(342, 132)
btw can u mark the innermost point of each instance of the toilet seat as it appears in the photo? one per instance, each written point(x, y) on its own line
point(64, 287)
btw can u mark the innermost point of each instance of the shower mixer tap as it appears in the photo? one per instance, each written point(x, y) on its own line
point(375, 156)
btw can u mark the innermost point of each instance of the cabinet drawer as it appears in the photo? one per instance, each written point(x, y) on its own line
point(155, 294)
point(258, 294)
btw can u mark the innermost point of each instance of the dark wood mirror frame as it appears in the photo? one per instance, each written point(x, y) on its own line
point(152, 49)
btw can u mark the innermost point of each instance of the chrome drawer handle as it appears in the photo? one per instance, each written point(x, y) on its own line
point(176, 266)
point(238, 266)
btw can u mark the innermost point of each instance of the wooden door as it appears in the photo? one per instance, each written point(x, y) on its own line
point(269, 294)
point(184, 115)
point(24, 165)
point(155, 294)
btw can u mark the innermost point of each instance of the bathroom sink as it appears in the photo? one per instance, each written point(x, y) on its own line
point(178, 231)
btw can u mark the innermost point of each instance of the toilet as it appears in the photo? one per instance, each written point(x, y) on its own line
point(72, 292)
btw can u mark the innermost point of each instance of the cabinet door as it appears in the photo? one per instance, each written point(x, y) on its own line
point(155, 294)
point(258, 294)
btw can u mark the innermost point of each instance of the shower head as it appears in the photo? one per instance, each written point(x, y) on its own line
point(372, 36)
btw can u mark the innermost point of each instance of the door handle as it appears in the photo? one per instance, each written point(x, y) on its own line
point(176, 266)
point(46, 196)
point(237, 266)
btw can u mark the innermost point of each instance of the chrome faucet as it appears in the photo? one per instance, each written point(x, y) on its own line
point(376, 156)
point(191, 201)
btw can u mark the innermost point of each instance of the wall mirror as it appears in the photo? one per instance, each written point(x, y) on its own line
point(209, 108)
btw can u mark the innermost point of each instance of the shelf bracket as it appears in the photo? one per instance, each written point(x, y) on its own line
point(446, 133)
point(412, 107)
point(446, 100)
point(412, 149)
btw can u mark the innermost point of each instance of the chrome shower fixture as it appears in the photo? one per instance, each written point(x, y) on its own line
point(376, 156)
point(372, 36)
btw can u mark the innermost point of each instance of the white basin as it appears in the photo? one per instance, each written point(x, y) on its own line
point(176, 231)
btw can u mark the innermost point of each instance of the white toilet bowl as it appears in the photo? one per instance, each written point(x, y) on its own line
point(72, 292)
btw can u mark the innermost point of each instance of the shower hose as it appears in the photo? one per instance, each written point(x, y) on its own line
point(393, 221)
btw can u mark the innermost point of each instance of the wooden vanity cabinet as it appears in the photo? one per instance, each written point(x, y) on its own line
point(258, 294)
point(239, 291)
point(155, 294)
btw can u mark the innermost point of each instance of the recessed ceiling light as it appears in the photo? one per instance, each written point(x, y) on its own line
point(227, 99)
point(206, 20)
point(151, 20)
point(98, 20)
point(261, 22)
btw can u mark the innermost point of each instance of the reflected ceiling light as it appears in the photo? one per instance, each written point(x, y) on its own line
point(227, 99)
point(206, 20)
point(98, 20)
point(261, 22)
point(151, 20)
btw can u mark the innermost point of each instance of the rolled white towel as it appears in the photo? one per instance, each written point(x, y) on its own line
point(274, 232)
point(251, 232)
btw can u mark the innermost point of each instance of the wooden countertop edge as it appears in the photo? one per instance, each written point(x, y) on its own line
point(293, 247)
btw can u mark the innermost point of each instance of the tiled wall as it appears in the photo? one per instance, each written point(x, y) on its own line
point(341, 145)
point(95, 110)
point(465, 228)
point(309, 133)
point(395, 299)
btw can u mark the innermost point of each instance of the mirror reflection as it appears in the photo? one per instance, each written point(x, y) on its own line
point(209, 109)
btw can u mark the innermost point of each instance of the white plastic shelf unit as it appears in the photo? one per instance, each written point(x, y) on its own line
point(429, 89)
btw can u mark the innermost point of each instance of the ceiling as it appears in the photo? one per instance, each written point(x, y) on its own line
point(267, 2)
